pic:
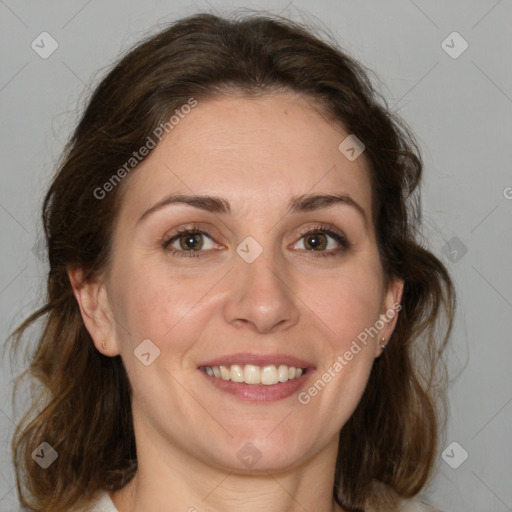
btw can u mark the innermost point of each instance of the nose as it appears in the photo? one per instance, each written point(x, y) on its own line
point(262, 297)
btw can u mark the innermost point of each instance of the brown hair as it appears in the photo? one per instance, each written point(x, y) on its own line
point(388, 447)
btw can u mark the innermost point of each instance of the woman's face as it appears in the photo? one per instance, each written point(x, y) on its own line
point(246, 285)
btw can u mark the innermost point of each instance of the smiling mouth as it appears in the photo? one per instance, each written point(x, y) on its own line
point(267, 375)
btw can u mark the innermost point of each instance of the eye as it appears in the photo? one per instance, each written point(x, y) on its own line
point(323, 240)
point(188, 241)
point(194, 242)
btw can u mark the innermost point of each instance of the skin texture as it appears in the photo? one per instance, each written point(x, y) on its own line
point(258, 154)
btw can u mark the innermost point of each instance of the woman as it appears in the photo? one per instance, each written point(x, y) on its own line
point(239, 315)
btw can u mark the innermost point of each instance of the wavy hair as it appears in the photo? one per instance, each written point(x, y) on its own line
point(388, 447)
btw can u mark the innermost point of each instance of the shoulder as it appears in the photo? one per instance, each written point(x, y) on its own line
point(102, 503)
point(404, 505)
point(416, 505)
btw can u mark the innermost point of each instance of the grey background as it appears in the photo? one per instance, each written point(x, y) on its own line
point(460, 109)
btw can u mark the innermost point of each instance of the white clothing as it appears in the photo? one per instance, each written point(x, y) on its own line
point(105, 504)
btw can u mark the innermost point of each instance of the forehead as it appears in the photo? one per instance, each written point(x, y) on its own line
point(257, 152)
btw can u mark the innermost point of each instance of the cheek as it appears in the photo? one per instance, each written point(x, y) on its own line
point(157, 304)
point(347, 303)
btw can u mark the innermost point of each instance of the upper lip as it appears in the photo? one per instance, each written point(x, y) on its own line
point(258, 360)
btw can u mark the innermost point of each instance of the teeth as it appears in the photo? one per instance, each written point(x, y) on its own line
point(237, 373)
point(269, 375)
point(283, 373)
point(252, 374)
point(224, 373)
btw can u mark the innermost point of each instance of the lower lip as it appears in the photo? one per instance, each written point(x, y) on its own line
point(259, 392)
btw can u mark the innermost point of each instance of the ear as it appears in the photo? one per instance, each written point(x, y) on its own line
point(96, 313)
point(390, 310)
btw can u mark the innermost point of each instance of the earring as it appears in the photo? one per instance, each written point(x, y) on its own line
point(382, 346)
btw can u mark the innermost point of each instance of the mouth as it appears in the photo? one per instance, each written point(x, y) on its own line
point(257, 378)
point(252, 374)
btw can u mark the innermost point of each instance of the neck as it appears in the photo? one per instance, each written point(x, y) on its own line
point(169, 479)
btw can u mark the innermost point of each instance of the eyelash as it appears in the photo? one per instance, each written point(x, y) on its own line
point(319, 229)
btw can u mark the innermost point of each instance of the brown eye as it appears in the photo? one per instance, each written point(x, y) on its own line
point(315, 241)
point(324, 242)
point(191, 241)
point(188, 241)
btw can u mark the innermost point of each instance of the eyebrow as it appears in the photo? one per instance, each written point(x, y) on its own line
point(214, 204)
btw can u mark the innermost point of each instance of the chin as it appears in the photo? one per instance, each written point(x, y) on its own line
point(261, 452)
